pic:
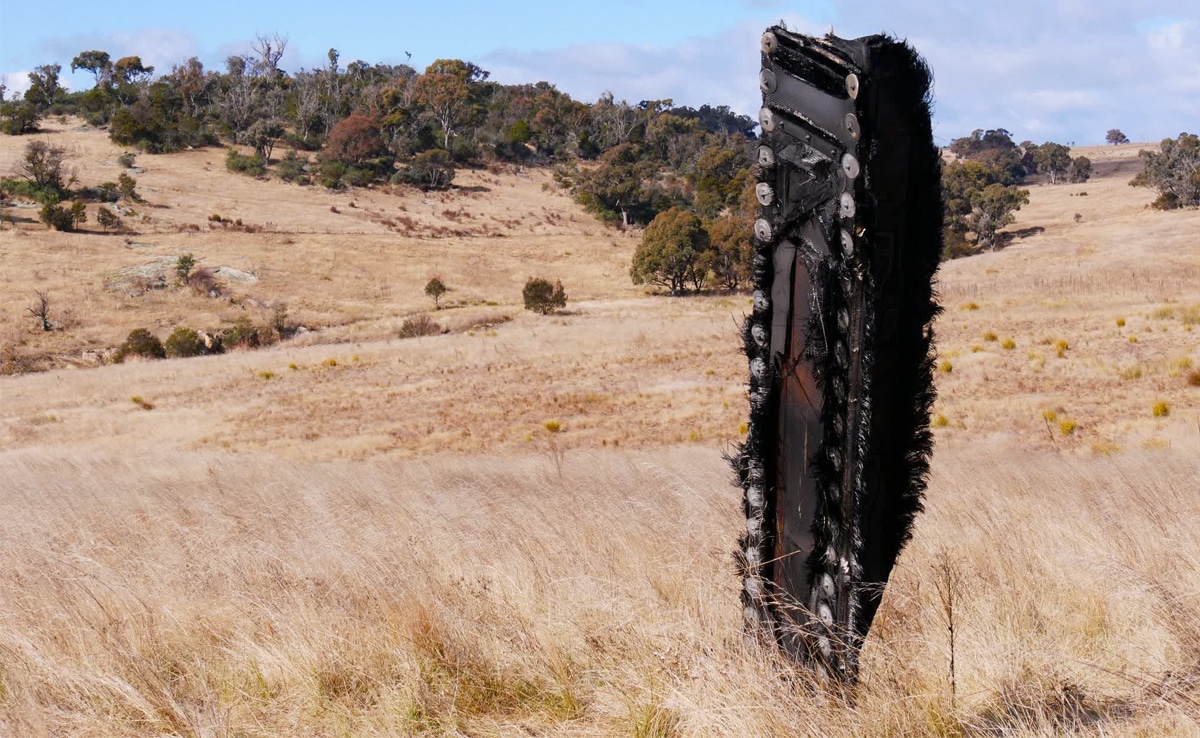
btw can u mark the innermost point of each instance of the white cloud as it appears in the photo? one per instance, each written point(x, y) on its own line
point(1065, 69)
point(717, 70)
point(16, 82)
point(157, 47)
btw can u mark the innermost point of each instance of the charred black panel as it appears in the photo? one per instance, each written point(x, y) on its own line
point(840, 339)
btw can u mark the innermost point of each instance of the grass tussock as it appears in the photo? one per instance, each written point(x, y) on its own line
point(219, 595)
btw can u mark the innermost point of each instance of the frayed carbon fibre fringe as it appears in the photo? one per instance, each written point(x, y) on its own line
point(884, 460)
point(753, 462)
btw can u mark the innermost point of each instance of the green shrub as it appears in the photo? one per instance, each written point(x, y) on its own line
point(330, 174)
point(184, 342)
point(291, 167)
point(28, 190)
point(127, 188)
point(249, 164)
point(184, 266)
point(543, 297)
point(127, 159)
point(434, 289)
point(103, 192)
point(17, 118)
point(429, 170)
point(56, 217)
point(141, 342)
point(245, 335)
point(107, 219)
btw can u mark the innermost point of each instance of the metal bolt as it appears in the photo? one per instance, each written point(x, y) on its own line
point(766, 119)
point(849, 164)
point(825, 614)
point(769, 43)
point(847, 243)
point(767, 81)
point(852, 86)
point(758, 369)
point(762, 230)
point(765, 194)
point(849, 207)
point(827, 585)
point(766, 156)
point(852, 126)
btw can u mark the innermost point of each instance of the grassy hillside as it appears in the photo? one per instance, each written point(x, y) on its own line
point(350, 533)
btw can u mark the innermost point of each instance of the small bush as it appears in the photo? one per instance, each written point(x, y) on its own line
point(291, 167)
point(183, 267)
point(434, 289)
point(1008, 344)
point(419, 325)
point(1160, 409)
point(143, 343)
point(107, 219)
point(244, 334)
point(103, 192)
point(1060, 348)
point(940, 421)
point(249, 164)
point(1067, 427)
point(127, 159)
point(1130, 373)
point(989, 336)
point(428, 170)
point(202, 280)
point(543, 297)
point(184, 342)
point(56, 217)
point(1120, 322)
point(553, 426)
point(330, 174)
point(127, 188)
point(945, 367)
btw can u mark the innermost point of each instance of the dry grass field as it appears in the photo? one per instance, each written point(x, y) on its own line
point(353, 534)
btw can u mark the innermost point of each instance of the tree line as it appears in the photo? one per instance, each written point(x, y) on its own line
point(361, 124)
point(357, 124)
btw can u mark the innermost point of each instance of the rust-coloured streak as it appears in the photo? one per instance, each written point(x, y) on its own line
point(800, 433)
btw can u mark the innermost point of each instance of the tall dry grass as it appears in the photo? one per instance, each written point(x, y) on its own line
point(243, 595)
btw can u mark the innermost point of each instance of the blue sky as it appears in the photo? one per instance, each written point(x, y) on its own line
point(1065, 70)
